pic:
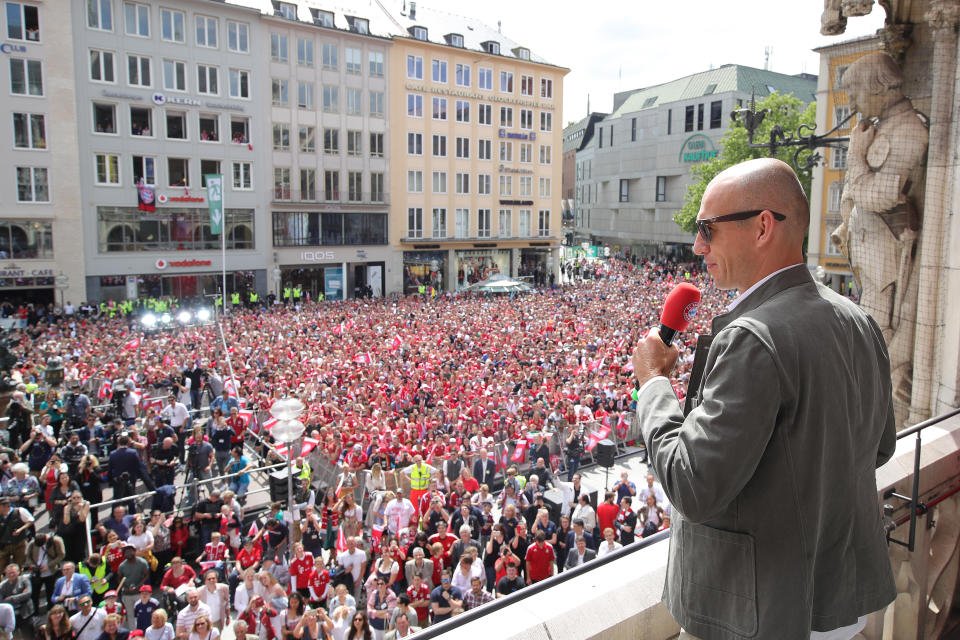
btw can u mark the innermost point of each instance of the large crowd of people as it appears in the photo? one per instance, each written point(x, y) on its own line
point(420, 407)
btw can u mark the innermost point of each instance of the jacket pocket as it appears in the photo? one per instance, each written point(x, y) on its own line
point(719, 578)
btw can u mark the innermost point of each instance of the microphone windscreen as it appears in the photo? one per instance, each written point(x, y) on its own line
point(680, 306)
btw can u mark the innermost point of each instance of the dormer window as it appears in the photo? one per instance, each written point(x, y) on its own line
point(491, 47)
point(322, 18)
point(420, 33)
point(285, 10)
point(522, 52)
point(455, 40)
point(358, 25)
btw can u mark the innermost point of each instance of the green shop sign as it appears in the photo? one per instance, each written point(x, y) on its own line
point(697, 148)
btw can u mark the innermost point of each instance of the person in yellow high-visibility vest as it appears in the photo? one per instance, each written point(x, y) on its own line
point(287, 293)
point(297, 294)
point(254, 298)
point(235, 299)
point(420, 474)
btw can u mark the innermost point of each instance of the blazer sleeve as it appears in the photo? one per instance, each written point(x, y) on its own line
point(57, 588)
point(705, 460)
point(85, 589)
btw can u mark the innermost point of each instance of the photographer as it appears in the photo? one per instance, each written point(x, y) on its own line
point(196, 376)
point(163, 462)
point(200, 460)
point(37, 449)
point(574, 449)
point(178, 417)
point(123, 469)
point(125, 402)
point(19, 413)
point(77, 406)
point(73, 452)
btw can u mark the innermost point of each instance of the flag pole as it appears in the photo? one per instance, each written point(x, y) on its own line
point(223, 246)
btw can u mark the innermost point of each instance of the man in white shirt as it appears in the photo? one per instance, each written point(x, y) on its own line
point(88, 622)
point(609, 544)
point(353, 560)
point(217, 597)
point(654, 489)
point(398, 512)
point(190, 612)
point(176, 413)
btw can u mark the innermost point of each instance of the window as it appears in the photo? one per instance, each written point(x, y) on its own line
point(484, 149)
point(415, 67)
point(104, 118)
point(463, 75)
point(145, 170)
point(281, 183)
point(439, 223)
point(308, 139)
point(506, 151)
point(376, 187)
point(414, 181)
point(239, 129)
point(838, 159)
point(526, 152)
point(376, 145)
point(700, 117)
point(331, 185)
point(415, 222)
point(414, 105)
point(279, 92)
point(331, 99)
point(600, 137)
point(101, 65)
point(440, 71)
point(414, 144)
point(491, 47)
point(172, 25)
point(506, 82)
point(358, 25)
point(141, 121)
point(506, 185)
point(463, 148)
point(543, 223)
point(526, 85)
point(484, 184)
point(376, 104)
point(526, 186)
point(523, 223)
point(545, 188)
point(304, 52)
point(688, 118)
point(238, 36)
point(439, 108)
point(546, 123)
point(505, 226)
point(138, 71)
point(100, 14)
point(305, 95)
point(328, 56)
point(207, 79)
point(546, 88)
point(178, 172)
point(208, 167)
point(624, 190)
point(439, 146)
point(462, 181)
point(243, 176)
point(354, 101)
point(838, 76)
point(661, 188)
point(29, 131)
point(611, 137)
point(485, 114)
point(546, 155)
point(526, 118)
point(136, 19)
point(278, 47)
point(840, 114)
point(716, 114)
point(463, 111)
point(239, 83)
point(462, 229)
point(485, 79)
point(355, 186)
point(32, 184)
point(331, 141)
point(456, 40)
point(669, 121)
point(107, 169)
point(354, 143)
point(506, 117)
point(420, 33)
point(174, 75)
point(484, 221)
point(439, 181)
point(308, 184)
point(376, 64)
point(207, 29)
point(23, 22)
point(833, 196)
point(633, 129)
point(281, 136)
point(176, 125)
point(354, 60)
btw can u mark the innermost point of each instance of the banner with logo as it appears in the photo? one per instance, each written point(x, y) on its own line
point(215, 202)
point(145, 197)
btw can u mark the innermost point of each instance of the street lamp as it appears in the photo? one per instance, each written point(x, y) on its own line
point(288, 430)
point(61, 281)
point(277, 277)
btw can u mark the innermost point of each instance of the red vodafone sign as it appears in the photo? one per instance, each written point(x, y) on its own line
point(192, 262)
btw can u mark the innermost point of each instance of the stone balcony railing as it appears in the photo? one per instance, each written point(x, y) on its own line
point(621, 598)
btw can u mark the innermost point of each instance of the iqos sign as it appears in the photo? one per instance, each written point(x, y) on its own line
point(317, 256)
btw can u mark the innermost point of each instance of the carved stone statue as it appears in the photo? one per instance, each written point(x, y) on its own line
point(833, 20)
point(881, 207)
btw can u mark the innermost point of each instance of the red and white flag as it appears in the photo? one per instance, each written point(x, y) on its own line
point(592, 439)
point(338, 329)
point(364, 358)
point(502, 460)
point(341, 542)
point(269, 424)
point(309, 444)
point(155, 403)
point(246, 416)
point(628, 366)
point(231, 386)
point(105, 389)
point(520, 451)
point(397, 343)
point(622, 426)
point(132, 344)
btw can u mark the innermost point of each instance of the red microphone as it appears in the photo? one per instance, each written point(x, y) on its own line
point(679, 309)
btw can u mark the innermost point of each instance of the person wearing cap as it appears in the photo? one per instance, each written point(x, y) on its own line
point(110, 604)
point(133, 573)
point(145, 606)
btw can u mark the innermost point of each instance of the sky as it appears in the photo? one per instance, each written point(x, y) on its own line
point(615, 45)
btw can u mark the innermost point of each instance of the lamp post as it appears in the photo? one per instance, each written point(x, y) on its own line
point(288, 430)
point(277, 277)
point(61, 281)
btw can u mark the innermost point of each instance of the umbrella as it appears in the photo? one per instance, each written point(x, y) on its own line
point(499, 283)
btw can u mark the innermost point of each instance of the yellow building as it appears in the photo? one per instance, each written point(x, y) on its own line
point(475, 154)
point(833, 107)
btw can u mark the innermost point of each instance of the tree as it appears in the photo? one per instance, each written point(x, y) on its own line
point(784, 110)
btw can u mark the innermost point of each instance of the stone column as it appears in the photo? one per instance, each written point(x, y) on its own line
point(942, 18)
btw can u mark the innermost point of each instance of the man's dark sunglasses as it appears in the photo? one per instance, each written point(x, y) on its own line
point(703, 226)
